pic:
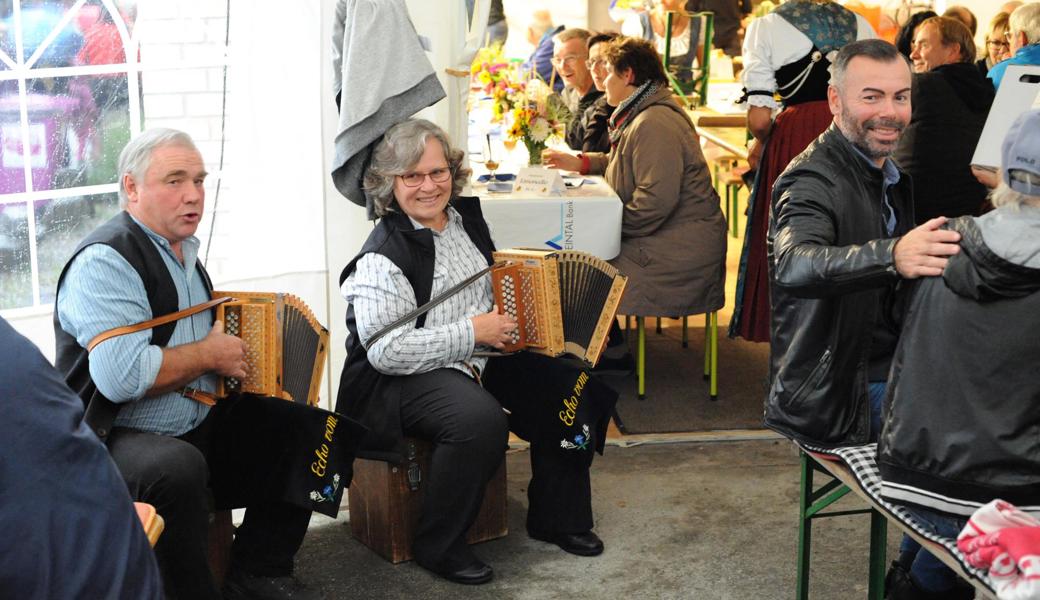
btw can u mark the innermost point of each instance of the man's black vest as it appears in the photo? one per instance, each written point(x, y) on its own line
point(72, 360)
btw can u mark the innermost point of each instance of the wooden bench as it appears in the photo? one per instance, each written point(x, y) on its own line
point(841, 479)
point(385, 500)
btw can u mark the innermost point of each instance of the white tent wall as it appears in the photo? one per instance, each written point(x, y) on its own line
point(269, 224)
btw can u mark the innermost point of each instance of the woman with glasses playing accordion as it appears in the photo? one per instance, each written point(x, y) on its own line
point(422, 379)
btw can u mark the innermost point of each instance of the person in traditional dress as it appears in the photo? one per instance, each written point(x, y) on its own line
point(787, 54)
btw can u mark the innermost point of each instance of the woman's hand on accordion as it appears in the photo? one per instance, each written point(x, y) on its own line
point(226, 353)
point(493, 328)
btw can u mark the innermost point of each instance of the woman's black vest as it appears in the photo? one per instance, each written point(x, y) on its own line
point(365, 394)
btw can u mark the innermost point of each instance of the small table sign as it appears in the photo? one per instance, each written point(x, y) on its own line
point(539, 181)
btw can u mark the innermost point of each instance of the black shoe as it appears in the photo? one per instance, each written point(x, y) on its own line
point(623, 364)
point(582, 544)
point(475, 573)
point(899, 585)
point(240, 585)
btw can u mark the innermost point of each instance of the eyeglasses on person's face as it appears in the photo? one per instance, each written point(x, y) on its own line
point(592, 63)
point(416, 179)
point(568, 60)
point(997, 44)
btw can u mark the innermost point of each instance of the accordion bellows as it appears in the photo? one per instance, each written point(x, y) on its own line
point(564, 301)
point(285, 345)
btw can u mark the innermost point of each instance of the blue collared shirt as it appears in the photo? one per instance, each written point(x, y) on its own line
point(102, 291)
point(890, 176)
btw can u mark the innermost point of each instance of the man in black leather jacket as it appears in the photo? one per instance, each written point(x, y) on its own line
point(962, 416)
point(839, 239)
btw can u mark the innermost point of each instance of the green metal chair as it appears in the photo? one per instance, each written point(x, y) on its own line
point(711, 351)
point(700, 82)
point(811, 504)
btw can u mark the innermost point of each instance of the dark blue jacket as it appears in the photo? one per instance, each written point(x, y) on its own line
point(541, 59)
point(66, 517)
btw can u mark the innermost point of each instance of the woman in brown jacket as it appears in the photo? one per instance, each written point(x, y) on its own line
point(673, 234)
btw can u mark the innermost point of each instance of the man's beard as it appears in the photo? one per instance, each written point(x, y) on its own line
point(858, 134)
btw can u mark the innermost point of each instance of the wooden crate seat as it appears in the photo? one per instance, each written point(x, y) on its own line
point(385, 505)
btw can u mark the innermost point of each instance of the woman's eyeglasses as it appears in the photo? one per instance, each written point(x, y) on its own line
point(997, 44)
point(416, 179)
point(593, 63)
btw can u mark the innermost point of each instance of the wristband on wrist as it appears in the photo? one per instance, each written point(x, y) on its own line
point(586, 164)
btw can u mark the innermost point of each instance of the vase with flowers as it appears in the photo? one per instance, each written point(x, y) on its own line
point(538, 115)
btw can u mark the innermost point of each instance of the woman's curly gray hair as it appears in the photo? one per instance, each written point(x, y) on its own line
point(398, 152)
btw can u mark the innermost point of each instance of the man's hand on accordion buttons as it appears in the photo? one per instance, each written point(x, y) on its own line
point(226, 353)
point(493, 329)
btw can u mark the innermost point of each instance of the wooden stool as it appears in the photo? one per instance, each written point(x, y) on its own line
point(221, 534)
point(385, 500)
point(733, 180)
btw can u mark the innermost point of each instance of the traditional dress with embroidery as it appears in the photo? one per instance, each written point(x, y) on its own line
point(786, 55)
point(683, 50)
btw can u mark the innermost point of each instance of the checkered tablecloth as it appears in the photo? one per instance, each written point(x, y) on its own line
point(861, 460)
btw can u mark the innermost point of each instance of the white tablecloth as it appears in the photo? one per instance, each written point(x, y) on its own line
point(587, 218)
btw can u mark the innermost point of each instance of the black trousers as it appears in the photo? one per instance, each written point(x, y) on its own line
point(469, 431)
point(173, 474)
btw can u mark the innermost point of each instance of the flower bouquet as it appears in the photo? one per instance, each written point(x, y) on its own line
point(493, 75)
point(538, 115)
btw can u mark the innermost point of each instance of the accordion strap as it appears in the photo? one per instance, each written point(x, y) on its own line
point(455, 289)
point(175, 316)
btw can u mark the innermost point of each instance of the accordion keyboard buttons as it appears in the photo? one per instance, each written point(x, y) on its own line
point(232, 326)
point(530, 304)
point(509, 298)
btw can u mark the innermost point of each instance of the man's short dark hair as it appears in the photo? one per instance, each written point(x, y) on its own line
point(600, 38)
point(874, 49)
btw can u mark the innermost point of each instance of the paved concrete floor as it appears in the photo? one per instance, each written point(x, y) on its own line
point(680, 520)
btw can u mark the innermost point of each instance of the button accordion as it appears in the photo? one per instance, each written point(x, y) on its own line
point(285, 345)
point(563, 301)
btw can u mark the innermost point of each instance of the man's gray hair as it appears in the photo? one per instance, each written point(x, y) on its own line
point(398, 152)
point(1026, 19)
point(874, 49)
point(136, 156)
point(571, 34)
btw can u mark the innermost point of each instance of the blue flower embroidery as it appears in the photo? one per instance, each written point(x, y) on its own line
point(581, 441)
point(327, 493)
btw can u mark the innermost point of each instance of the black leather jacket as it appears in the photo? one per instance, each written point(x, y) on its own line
point(831, 272)
point(962, 421)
